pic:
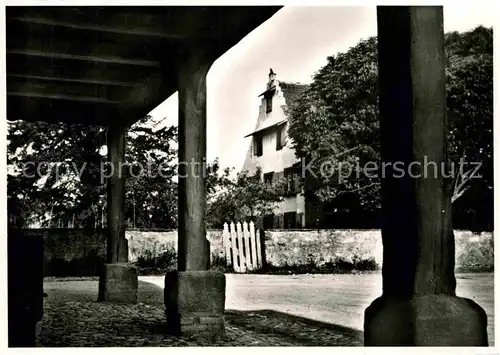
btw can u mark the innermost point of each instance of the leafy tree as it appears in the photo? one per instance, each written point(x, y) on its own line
point(70, 191)
point(470, 115)
point(151, 191)
point(243, 197)
point(54, 170)
point(335, 123)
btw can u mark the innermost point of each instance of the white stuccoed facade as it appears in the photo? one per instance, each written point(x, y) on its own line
point(272, 159)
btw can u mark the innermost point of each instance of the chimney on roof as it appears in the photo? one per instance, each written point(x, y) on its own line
point(272, 77)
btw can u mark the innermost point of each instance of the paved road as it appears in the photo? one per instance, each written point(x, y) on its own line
point(337, 299)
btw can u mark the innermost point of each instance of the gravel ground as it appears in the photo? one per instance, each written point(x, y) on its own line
point(336, 299)
point(262, 310)
point(73, 319)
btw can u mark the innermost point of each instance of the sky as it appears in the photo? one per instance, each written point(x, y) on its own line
point(295, 43)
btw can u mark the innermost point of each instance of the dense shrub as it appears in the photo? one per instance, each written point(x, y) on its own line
point(89, 265)
point(338, 265)
point(219, 263)
point(155, 263)
point(474, 252)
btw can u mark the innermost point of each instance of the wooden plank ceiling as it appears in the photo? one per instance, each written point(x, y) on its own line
point(100, 65)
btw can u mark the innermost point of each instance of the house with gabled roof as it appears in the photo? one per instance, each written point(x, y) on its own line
point(270, 149)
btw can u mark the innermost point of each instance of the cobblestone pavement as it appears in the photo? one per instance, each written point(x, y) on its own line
point(73, 318)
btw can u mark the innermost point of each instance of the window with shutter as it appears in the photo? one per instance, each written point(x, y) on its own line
point(281, 221)
point(268, 178)
point(291, 183)
point(269, 103)
point(298, 220)
point(268, 221)
point(290, 220)
point(257, 145)
point(298, 188)
point(276, 222)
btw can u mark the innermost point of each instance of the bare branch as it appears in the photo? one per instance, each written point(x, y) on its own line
point(347, 151)
point(456, 196)
point(340, 192)
point(461, 187)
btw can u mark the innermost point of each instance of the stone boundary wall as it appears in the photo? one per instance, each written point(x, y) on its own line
point(301, 247)
point(139, 241)
point(71, 250)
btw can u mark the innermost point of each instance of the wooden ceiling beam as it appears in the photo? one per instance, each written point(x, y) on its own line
point(134, 30)
point(62, 97)
point(87, 58)
point(113, 93)
point(94, 71)
point(73, 80)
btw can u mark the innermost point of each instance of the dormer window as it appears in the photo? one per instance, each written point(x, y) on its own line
point(269, 103)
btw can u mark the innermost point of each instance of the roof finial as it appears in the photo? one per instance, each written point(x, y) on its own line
point(271, 72)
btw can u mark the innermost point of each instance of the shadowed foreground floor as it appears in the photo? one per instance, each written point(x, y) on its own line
point(332, 298)
point(265, 311)
point(73, 319)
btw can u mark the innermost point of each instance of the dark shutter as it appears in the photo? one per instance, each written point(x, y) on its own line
point(276, 222)
point(280, 137)
point(268, 221)
point(290, 220)
point(257, 145)
point(298, 220)
point(298, 188)
point(281, 221)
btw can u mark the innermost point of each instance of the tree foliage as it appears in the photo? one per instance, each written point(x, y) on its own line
point(69, 190)
point(245, 197)
point(72, 190)
point(151, 191)
point(335, 122)
point(54, 170)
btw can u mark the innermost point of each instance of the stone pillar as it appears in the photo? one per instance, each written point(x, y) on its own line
point(194, 296)
point(119, 280)
point(418, 305)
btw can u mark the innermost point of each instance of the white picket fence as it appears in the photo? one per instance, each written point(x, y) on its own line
point(242, 246)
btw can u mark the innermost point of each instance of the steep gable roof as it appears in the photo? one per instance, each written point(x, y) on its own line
point(292, 91)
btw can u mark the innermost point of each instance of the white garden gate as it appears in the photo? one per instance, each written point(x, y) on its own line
point(242, 246)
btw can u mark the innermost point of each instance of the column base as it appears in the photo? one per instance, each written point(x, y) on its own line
point(430, 320)
point(194, 302)
point(22, 334)
point(118, 283)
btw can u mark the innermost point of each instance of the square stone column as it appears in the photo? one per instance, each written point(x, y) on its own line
point(194, 296)
point(195, 302)
point(118, 281)
point(418, 305)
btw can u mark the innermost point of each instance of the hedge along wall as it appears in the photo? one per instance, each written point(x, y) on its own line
point(80, 252)
point(142, 242)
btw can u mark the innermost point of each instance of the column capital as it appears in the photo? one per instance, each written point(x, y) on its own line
point(195, 57)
